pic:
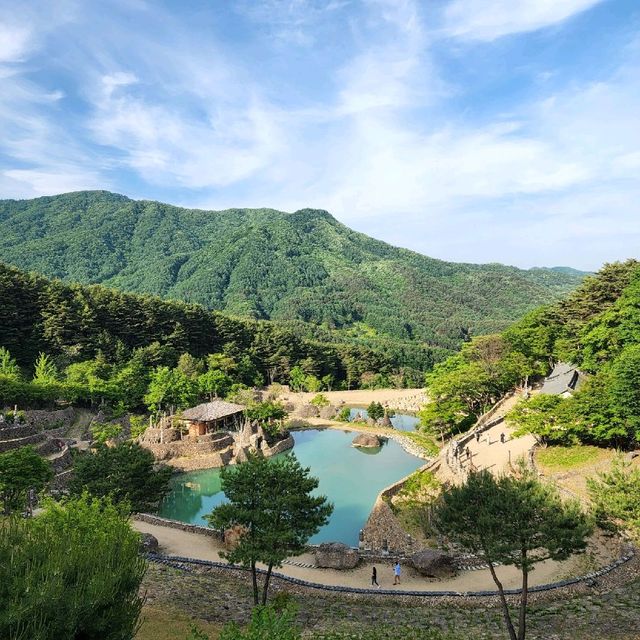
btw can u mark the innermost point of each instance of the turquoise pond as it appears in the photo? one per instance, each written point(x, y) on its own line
point(350, 477)
point(400, 421)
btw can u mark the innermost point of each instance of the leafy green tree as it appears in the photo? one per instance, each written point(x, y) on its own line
point(190, 366)
point(126, 472)
point(512, 520)
point(312, 384)
point(105, 431)
point(544, 416)
point(72, 572)
point(297, 378)
point(45, 371)
point(344, 415)
point(266, 411)
point(625, 388)
point(214, 384)
point(616, 496)
point(8, 366)
point(320, 401)
point(138, 425)
point(21, 470)
point(170, 388)
point(272, 501)
point(375, 411)
point(266, 624)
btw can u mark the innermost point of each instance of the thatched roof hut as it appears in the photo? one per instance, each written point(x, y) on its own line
point(213, 416)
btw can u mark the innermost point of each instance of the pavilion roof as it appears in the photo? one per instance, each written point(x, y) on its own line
point(214, 410)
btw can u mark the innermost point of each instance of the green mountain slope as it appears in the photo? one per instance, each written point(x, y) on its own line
point(264, 263)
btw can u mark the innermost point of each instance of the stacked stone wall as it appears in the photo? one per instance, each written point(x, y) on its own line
point(9, 445)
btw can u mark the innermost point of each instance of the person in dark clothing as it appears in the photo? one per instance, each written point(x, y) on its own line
point(374, 577)
point(477, 436)
point(502, 438)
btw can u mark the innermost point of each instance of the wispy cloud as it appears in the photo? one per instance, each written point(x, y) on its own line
point(491, 19)
point(365, 109)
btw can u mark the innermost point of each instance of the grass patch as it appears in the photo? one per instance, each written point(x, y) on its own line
point(167, 624)
point(425, 441)
point(564, 458)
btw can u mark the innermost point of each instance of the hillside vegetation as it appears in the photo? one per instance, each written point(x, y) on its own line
point(92, 344)
point(266, 264)
point(597, 327)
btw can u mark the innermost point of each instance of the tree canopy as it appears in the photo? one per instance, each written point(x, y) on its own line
point(72, 572)
point(512, 520)
point(272, 501)
point(596, 328)
point(126, 472)
point(20, 471)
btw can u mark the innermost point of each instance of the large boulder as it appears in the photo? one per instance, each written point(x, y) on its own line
point(366, 440)
point(336, 555)
point(433, 563)
point(148, 543)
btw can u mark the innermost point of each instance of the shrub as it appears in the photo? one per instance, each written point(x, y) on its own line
point(72, 572)
point(320, 400)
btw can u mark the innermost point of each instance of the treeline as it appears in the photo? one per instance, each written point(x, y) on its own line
point(264, 264)
point(597, 328)
point(105, 344)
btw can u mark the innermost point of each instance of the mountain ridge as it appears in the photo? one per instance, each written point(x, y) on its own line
point(264, 263)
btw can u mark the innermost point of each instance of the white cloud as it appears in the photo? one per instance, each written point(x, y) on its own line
point(491, 19)
point(15, 42)
point(46, 181)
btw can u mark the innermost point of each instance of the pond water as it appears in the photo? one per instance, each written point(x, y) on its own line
point(401, 421)
point(350, 477)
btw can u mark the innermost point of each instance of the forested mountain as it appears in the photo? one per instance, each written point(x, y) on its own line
point(267, 264)
point(596, 327)
point(76, 324)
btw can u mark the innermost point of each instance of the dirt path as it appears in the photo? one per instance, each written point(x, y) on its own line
point(399, 399)
point(194, 545)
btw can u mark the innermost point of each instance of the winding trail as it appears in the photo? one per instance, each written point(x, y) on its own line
point(175, 542)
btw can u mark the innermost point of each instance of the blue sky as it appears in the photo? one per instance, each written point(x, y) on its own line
point(469, 130)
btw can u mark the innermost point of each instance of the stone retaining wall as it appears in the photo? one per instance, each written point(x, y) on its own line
point(8, 445)
point(181, 526)
point(185, 563)
point(43, 418)
point(18, 431)
point(62, 463)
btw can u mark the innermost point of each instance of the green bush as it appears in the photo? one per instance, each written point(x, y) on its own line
point(72, 572)
point(266, 624)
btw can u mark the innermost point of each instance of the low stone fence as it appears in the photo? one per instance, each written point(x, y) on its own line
point(186, 563)
point(279, 447)
point(12, 432)
point(63, 462)
point(16, 443)
point(45, 419)
point(181, 526)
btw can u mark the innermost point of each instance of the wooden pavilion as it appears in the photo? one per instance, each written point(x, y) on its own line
point(217, 415)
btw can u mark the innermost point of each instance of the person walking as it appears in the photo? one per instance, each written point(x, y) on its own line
point(477, 436)
point(374, 577)
point(502, 437)
point(396, 573)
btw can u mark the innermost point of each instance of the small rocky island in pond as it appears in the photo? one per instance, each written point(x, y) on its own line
point(367, 440)
point(212, 434)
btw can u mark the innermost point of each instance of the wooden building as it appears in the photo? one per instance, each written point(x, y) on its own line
point(217, 415)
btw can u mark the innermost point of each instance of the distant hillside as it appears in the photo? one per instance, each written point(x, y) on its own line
point(267, 264)
point(595, 328)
